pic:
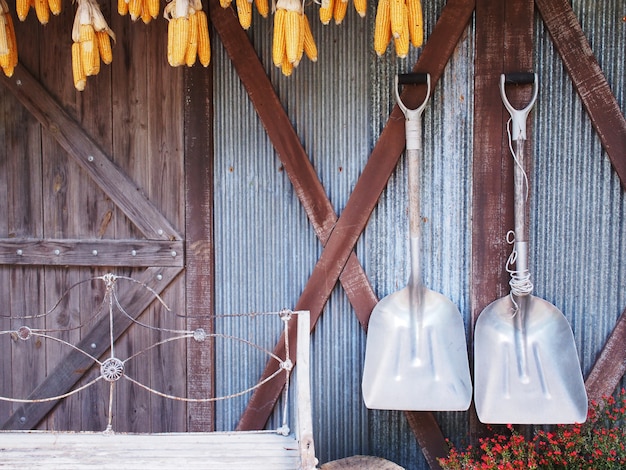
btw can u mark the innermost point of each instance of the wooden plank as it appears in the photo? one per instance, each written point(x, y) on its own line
point(75, 364)
point(205, 451)
point(199, 242)
point(610, 366)
point(132, 152)
point(82, 148)
point(361, 203)
point(588, 79)
point(135, 253)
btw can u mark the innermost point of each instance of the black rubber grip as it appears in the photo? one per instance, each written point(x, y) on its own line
point(519, 78)
point(412, 78)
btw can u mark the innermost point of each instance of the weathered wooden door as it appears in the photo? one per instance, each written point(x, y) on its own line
point(92, 183)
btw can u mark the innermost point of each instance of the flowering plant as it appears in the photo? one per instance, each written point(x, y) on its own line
point(597, 444)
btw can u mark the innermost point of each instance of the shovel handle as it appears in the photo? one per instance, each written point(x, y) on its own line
point(518, 116)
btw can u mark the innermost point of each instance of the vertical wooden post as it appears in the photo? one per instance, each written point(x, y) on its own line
point(199, 246)
point(504, 32)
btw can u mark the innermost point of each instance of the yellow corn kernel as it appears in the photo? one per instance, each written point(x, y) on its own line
point(22, 8)
point(416, 24)
point(339, 12)
point(80, 79)
point(192, 47)
point(396, 14)
point(262, 7)
point(89, 54)
point(361, 7)
point(104, 47)
point(122, 7)
point(326, 11)
point(43, 11)
point(309, 47)
point(244, 12)
point(135, 7)
point(204, 42)
point(382, 27)
point(292, 35)
point(278, 38)
point(153, 7)
point(55, 7)
point(402, 41)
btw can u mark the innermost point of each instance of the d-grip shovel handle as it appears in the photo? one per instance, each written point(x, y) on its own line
point(518, 116)
point(412, 116)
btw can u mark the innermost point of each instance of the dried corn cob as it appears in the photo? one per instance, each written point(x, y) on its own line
point(204, 43)
point(179, 39)
point(339, 11)
point(104, 46)
point(80, 79)
point(191, 53)
point(382, 27)
point(153, 7)
point(244, 13)
point(326, 10)
point(416, 26)
point(402, 41)
point(361, 7)
point(309, 47)
point(396, 15)
point(292, 35)
point(278, 39)
point(8, 42)
point(262, 6)
point(89, 53)
point(122, 7)
point(42, 9)
point(55, 7)
point(22, 7)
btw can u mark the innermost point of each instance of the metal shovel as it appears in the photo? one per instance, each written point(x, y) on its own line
point(416, 353)
point(526, 368)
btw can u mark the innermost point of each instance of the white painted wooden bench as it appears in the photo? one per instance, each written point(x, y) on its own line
point(246, 450)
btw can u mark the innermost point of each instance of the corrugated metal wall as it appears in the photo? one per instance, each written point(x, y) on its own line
point(266, 248)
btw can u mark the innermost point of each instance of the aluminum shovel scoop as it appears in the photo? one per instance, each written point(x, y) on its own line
point(526, 368)
point(416, 354)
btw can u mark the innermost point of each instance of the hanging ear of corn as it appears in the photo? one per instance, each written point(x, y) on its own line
point(361, 7)
point(122, 7)
point(401, 20)
point(382, 27)
point(22, 7)
point(326, 10)
point(263, 7)
point(91, 38)
point(416, 26)
point(55, 7)
point(402, 41)
point(292, 35)
point(204, 42)
point(278, 38)
point(42, 9)
point(339, 11)
point(244, 13)
point(309, 47)
point(80, 79)
point(191, 53)
point(8, 42)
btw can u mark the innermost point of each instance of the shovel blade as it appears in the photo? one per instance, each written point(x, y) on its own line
point(402, 375)
point(526, 369)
